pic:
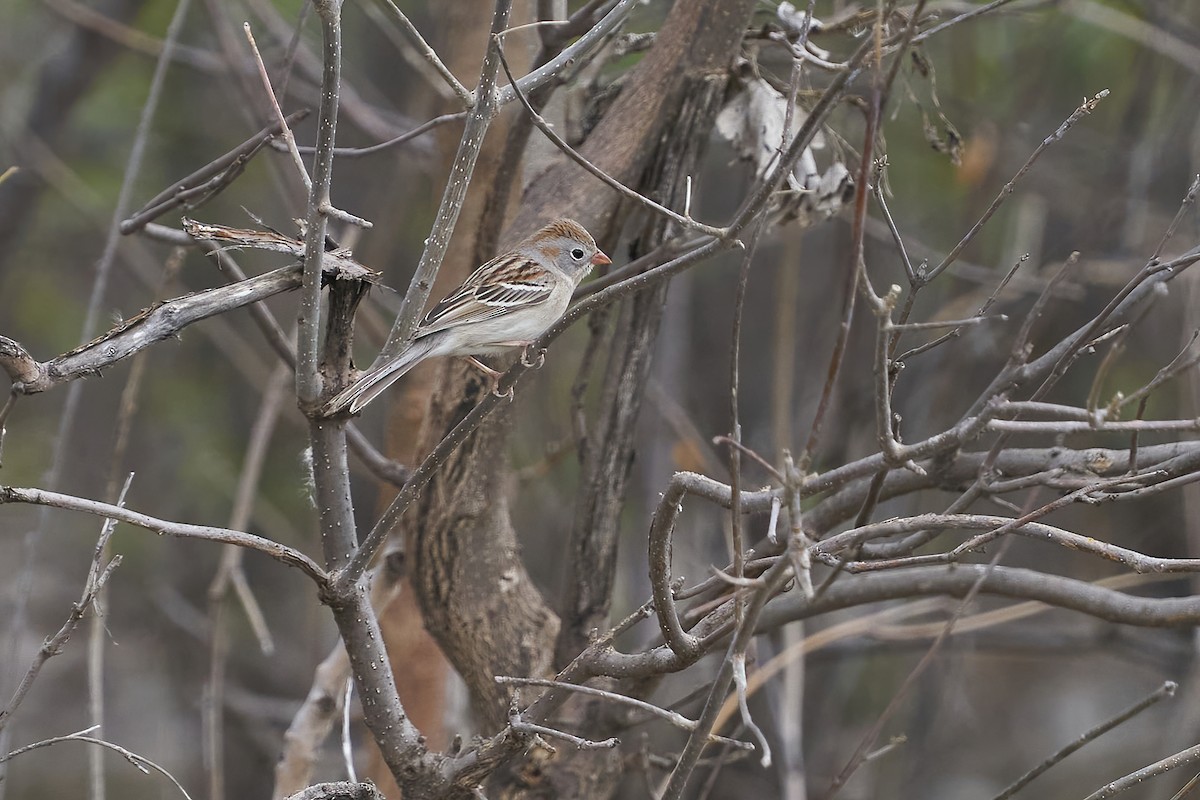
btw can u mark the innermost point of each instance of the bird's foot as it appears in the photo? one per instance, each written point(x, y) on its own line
point(538, 360)
point(493, 377)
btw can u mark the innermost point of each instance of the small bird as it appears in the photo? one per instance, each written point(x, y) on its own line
point(508, 302)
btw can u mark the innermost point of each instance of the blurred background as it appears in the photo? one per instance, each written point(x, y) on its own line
point(74, 76)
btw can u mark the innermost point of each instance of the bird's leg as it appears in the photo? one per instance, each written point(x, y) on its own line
point(482, 367)
point(492, 375)
point(538, 361)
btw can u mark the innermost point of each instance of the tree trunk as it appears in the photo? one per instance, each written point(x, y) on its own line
point(475, 592)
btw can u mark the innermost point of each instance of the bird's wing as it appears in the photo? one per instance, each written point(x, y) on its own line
point(504, 284)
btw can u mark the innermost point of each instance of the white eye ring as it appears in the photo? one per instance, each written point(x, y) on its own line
point(577, 254)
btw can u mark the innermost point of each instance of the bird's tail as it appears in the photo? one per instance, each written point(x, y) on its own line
point(373, 382)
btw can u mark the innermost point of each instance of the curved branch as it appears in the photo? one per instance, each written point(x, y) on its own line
point(277, 551)
point(1013, 582)
point(1138, 562)
point(901, 584)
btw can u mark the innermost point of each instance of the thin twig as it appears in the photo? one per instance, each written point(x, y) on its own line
point(288, 139)
point(749, 452)
point(520, 726)
point(347, 740)
point(673, 717)
point(453, 196)
point(877, 192)
point(422, 47)
point(65, 436)
point(279, 552)
point(206, 182)
point(1166, 690)
point(575, 54)
point(1137, 778)
point(1189, 200)
point(98, 576)
point(141, 762)
point(1088, 107)
point(423, 128)
point(543, 126)
point(849, 292)
point(974, 12)
point(983, 309)
point(1178, 365)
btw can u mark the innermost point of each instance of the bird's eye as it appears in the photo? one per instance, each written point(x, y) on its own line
point(577, 254)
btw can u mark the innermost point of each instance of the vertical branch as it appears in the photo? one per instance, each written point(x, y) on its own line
point(857, 272)
point(773, 580)
point(308, 385)
point(605, 473)
point(735, 425)
point(98, 627)
point(398, 739)
point(330, 463)
point(228, 573)
point(791, 719)
point(849, 290)
point(456, 190)
point(317, 714)
point(400, 743)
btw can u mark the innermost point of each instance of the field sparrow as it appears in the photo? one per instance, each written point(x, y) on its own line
point(508, 302)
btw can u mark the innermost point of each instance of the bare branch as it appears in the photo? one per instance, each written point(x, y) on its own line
point(279, 552)
point(543, 126)
point(53, 645)
point(339, 790)
point(308, 378)
point(206, 182)
point(161, 321)
point(141, 762)
point(422, 47)
point(1166, 690)
point(1137, 778)
point(478, 120)
point(675, 718)
point(288, 139)
point(1088, 107)
point(576, 53)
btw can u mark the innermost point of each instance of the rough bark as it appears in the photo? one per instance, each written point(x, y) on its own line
point(422, 671)
point(477, 598)
point(610, 450)
point(698, 40)
point(474, 590)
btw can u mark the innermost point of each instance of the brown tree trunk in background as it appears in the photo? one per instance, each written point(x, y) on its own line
point(422, 671)
point(464, 561)
point(610, 446)
point(466, 564)
point(697, 43)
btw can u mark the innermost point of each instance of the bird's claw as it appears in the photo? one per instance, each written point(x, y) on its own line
point(508, 393)
point(539, 360)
